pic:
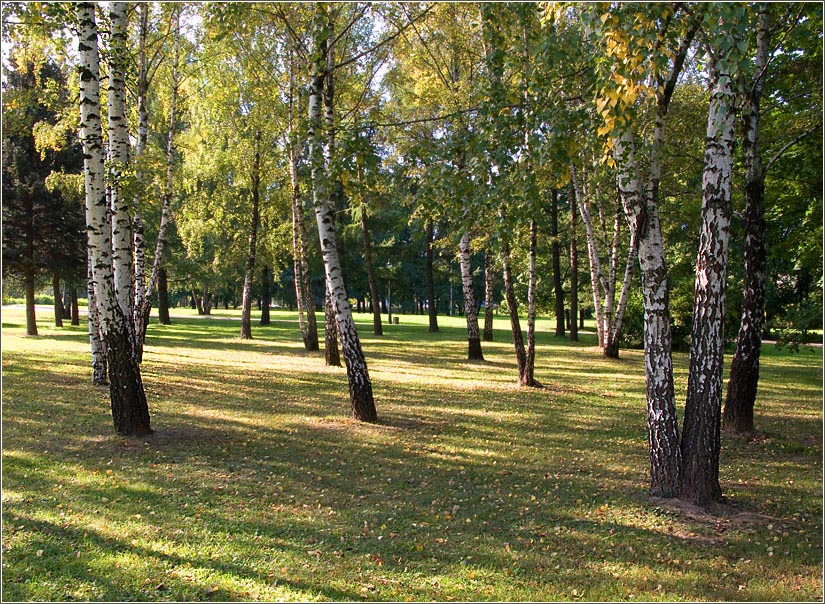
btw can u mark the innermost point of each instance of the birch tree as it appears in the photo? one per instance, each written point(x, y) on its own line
point(701, 434)
point(360, 386)
point(129, 408)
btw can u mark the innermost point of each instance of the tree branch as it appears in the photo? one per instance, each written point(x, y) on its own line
point(790, 144)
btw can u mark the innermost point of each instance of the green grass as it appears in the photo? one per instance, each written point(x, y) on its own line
point(257, 485)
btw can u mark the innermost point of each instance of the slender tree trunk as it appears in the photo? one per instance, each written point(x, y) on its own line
point(58, 301)
point(574, 270)
point(701, 433)
point(246, 307)
point(737, 417)
point(160, 245)
point(474, 352)
point(75, 310)
point(530, 358)
point(303, 285)
point(489, 285)
point(512, 309)
point(431, 303)
point(332, 356)
point(556, 257)
point(360, 386)
point(596, 276)
point(142, 138)
point(365, 238)
point(96, 343)
point(163, 298)
point(265, 296)
point(130, 412)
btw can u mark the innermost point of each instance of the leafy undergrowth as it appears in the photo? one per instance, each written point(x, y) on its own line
point(257, 485)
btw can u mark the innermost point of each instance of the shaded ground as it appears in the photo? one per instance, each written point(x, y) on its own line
point(256, 485)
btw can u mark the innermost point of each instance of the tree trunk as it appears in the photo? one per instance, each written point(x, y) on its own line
point(360, 386)
point(596, 276)
point(642, 214)
point(98, 347)
point(67, 302)
point(75, 310)
point(701, 438)
point(332, 356)
point(489, 276)
point(246, 306)
point(265, 296)
point(58, 301)
point(574, 270)
point(365, 238)
point(737, 417)
point(302, 282)
point(118, 162)
point(556, 257)
point(530, 360)
point(512, 309)
point(142, 319)
point(130, 412)
point(31, 320)
point(163, 298)
point(474, 352)
point(143, 135)
point(431, 304)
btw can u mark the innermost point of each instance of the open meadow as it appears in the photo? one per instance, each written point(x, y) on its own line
point(257, 486)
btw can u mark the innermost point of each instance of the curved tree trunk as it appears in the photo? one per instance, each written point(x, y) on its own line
point(431, 304)
point(737, 417)
point(360, 386)
point(512, 309)
point(130, 412)
point(142, 319)
point(489, 284)
point(474, 352)
point(701, 438)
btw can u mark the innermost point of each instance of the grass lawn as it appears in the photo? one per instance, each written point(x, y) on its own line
point(257, 485)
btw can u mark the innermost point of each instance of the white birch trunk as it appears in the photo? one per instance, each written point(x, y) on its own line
point(643, 218)
point(122, 241)
point(701, 433)
point(360, 386)
point(96, 342)
point(143, 135)
point(130, 412)
point(474, 352)
point(596, 275)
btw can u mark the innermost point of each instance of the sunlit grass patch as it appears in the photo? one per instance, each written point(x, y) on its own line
point(257, 485)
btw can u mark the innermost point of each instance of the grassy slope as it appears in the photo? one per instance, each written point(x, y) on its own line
point(257, 485)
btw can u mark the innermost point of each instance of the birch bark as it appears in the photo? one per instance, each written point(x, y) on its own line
point(130, 412)
point(474, 352)
point(246, 296)
point(737, 416)
point(360, 386)
point(701, 433)
point(119, 160)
